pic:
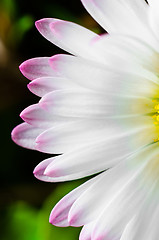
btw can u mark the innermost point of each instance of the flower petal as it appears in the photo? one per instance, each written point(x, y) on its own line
point(154, 16)
point(144, 224)
point(128, 54)
point(74, 135)
point(82, 161)
point(25, 135)
point(102, 78)
point(84, 198)
point(59, 214)
point(37, 67)
point(75, 103)
point(67, 35)
point(86, 231)
point(40, 168)
point(111, 15)
point(121, 209)
point(79, 134)
point(117, 213)
point(94, 105)
point(38, 117)
point(89, 206)
point(44, 85)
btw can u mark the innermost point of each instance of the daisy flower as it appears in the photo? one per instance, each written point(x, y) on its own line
point(99, 112)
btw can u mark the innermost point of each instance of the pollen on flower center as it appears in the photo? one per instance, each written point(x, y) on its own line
point(155, 116)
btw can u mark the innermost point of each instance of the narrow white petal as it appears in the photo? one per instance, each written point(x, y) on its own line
point(78, 135)
point(59, 214)
point(40, 168)
point(37, 67)
point(144, 224)
point(102, 78)
point(119, 211)
point(38, 117)
point(125, 17)
point(71, 136)
point(86, 231)
point(75, 103)
point(91, 204)
point(82, 161)
point(44, 85)
point(25, 135)
point(128, 202)
point(111, 15)
point(128, 54)
point(94, 105)
point(67, 35)
point(154, 17)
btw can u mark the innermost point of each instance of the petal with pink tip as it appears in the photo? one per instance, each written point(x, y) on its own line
point(38, 117)
point(129, 200)
point(36, 68)
point(82, 134)
point(103, 78)
point(89, 206)
point(86, 231)
point(94, 105)
point(75, 103)
point(59, 214)
point(25, 135)
point(70, 136)
point(40, 169)
point(115, 215)
point(43, 26)
point(44, 85)
point(67, 35)
point(82, 161)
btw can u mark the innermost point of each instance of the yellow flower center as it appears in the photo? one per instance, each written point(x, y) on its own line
point(155, 116)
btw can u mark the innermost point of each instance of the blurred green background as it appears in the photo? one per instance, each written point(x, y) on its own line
point(25, 202)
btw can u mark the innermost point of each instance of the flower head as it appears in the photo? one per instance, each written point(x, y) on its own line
point(99, 110)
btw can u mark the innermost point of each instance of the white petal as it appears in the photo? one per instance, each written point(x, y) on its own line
point(86, 231)
point(102, 78)
point(59, 214)
point(44, 85)
point(154, 17)
point(91, 204)
point(82, 161)
point(119, 211)
point(25, 135)
point(144, 225)
point(111, 15)
point(128, 202)
point(67, 35)
point(38, 117)
point(71, 136)
point(128, 54)
point(40, 168)
point(95, 105)
point(76, 135)
point(74, 103)
point(37, 67)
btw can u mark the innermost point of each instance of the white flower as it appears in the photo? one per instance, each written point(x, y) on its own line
point(99, 110)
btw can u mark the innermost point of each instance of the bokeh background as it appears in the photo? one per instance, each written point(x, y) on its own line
point(26, 202)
